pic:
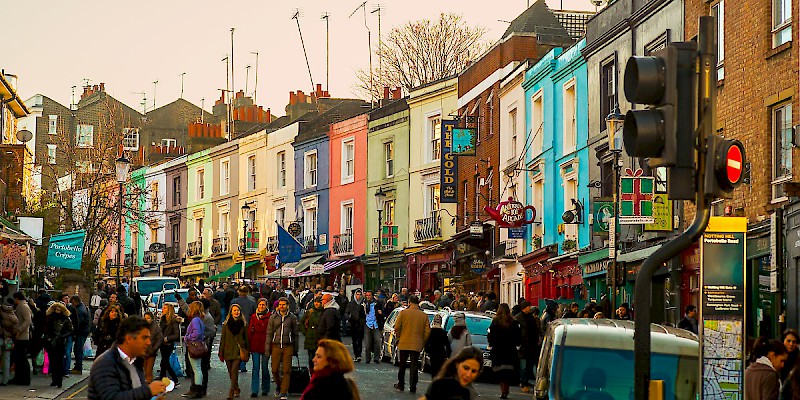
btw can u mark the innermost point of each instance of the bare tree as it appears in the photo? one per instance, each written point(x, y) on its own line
point(423, 51)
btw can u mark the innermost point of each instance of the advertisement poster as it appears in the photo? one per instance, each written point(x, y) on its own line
point(723, 255)
point(662, 214)
point(449, 186)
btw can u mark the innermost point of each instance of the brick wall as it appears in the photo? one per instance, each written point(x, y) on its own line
point(517, 47)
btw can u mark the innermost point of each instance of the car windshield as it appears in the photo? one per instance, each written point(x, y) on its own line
point(148, 286)
point(585, 369)
point(475, 325)
point(169, 297)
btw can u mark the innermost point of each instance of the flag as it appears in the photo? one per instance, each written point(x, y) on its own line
point(289, 249)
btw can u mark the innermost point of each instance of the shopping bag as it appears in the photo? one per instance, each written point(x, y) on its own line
point(299, 378)
point(46, 363)
point(88, 352)
point(40, 359)
point(175, 363)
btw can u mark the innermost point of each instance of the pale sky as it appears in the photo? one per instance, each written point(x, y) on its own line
point(53, 45)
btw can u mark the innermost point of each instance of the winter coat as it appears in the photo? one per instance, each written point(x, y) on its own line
point(330, 323)
point(504, 341)
point(308, 325)
point(215, 310)
point(789, 364)
point(8, 321)
point(230, 343)
point(106, 334)
point(210, 328)
point(412, 329)
point(196, 330)
point(761, 382)
point(58, 326)
point(282, 330)
point(257, 332)
point(327, 385)
point(110, 378)
point(457, 344)
point(689, 324)
point(156, 338)
point(23, 312)
point(355, 314)
point(447, 389)
point(127, 304)
point(438, 348)
point(529, 335)
point(81, 321)
point(170, 332)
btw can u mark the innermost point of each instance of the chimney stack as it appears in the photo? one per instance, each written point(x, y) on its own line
point(397, 93)
point(386, 92)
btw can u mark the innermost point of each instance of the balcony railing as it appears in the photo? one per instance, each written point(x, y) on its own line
point(194, 249)
point(172, 254)
point(377, 247)
point(343, 243)
point(272, 244)
point(508, 250)
point(150, 258)
point(252, 243)
point(220, 245)
point(310, 244)
point(427, 229)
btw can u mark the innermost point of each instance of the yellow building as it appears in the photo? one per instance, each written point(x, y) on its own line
point(14, 154)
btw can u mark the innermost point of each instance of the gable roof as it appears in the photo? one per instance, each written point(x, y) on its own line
point(318, 126)
point(539, 19)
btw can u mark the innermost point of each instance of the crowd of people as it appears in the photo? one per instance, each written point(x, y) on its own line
point(773, 370)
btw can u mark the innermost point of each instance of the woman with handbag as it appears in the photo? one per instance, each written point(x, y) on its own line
point(171, 333)
point(196, 346)
point(257, 337)
point(233, 346)
point(8, 321)
point(106, 333)
point(56, 331)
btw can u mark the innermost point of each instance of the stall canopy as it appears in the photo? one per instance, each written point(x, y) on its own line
point(299, 267)
point(10, 231)
point(328, 266)
point(232, 270)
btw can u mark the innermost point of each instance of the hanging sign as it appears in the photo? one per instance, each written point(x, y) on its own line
point(287, 271)
point(516, 233)
point(662, 214)
point(463, 141)
point(66, 250)
point(603, 214)
point(449, 165)
point(511, 214)
point(295, 229)
point(317, 269)
point(636, 198)
point(476, 230)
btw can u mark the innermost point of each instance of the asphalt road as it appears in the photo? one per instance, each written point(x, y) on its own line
point(374, 382)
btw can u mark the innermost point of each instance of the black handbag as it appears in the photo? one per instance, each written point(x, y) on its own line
point(299, 378)
point(197, 349)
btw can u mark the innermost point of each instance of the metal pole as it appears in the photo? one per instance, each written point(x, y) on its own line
point(120, 233)
point(244, 248)
point(255, 88)
point(380, 241)
point(616, 229)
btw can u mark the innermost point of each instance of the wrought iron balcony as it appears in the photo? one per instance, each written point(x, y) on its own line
point(343, 243)
point(172, 254)
point(194, 249)
point(508, 250)
point(377, 247)
point(150, 258)
point(220, 245)
point(272, 244)
point(310, 244)
point(427, 229)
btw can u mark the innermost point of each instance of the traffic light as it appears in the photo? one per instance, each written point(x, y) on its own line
point(725, 166)
point(664, 132)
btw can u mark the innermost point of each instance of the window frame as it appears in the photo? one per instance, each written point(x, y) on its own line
point(282, 212)
point(201, 184)
point(781, 147)
point(388, 155)
point(176, 190)
point(347, 215)
point(781, 30)
point(252, 168)
point(433, 145)
point(537, 120)
point(52, 124)
point(718, 10)
point(513, 127)
point(130, 139)
point(433, 200)
point(224, 176)
point(348, 162)
point(281, 159)
point(309, 173)
point(569, 139)
point(167, 142)
point(606, 98)
point(81, 133)
point(52, 158)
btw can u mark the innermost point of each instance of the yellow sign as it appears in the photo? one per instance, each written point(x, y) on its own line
point(662, 214)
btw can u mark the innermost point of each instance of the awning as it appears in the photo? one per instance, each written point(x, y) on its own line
point(232, 270)
point(9, 231)
point(638, 254)
point(299, 267)
point(328, 267)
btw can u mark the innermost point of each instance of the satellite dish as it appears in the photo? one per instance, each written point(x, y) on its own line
point(24, 136)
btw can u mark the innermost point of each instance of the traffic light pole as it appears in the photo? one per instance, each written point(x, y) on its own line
point(643, 291)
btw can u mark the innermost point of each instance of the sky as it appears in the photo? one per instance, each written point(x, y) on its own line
point(54, 45)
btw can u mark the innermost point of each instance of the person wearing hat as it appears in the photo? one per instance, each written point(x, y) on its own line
point(459, 334)
point(438, 345)
point(529, 344)
point(356, 318)
point(331, 321)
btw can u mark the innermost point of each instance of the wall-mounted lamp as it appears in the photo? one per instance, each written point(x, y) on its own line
point(574, 216)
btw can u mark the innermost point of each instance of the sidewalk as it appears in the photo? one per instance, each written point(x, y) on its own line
point(40, 386)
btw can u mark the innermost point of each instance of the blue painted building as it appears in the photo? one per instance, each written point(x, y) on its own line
point(557, 157)
point(312, 145)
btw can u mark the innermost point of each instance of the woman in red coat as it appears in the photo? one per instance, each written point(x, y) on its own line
point(257, 337)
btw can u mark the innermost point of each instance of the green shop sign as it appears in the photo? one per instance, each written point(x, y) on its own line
point(66, 250)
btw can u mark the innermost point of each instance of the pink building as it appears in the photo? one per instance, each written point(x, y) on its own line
point(348, 190)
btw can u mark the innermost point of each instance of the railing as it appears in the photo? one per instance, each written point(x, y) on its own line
point(343, 243)
point(194, 249)
point(150, 258)
point(220, 245)
point(429, 228)
point(251, 244)
point(272, 244)
point(377, 247)
point(172, 254)
point(508, 250)
point(310, 244)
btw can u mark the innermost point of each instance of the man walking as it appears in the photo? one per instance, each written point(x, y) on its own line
point(689, 321)
point(529, 344)
point(19, 353)
point(282, 333)
point(215, 309)
point(356, 318)
point(373, 310)
point(82, 325)
point(412, 331)
point(330, 324)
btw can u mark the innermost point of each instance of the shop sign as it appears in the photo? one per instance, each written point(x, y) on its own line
point(287, 271)
point(516, 233)
point(449, 164)
point(478, 265)
point(66, 250)
point(511, 214)
point(603, 215)
point(463, 141)
point(317, 269)
point(295, 229)
point(476, 230)
point(662, 214)
point(636, 198)
point(595, 267)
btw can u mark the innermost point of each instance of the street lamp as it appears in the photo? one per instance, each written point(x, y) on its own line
point(613, 123)
point(245, 215)
point(380, 202)
point(122, 166)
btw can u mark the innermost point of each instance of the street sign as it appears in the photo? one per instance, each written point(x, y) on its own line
point(516, 233)
point(476, 230)
point(733, 161)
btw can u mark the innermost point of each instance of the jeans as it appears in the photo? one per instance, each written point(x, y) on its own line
point(414, 373)
point(526, 374)
point(197, 378)
point(6, 358)
point(19, 357)
point(372, 344)
point(79, 342)
point(166, 367)
point(67, 359)
point(260, 367)
point(282, 366)
point(357, 332)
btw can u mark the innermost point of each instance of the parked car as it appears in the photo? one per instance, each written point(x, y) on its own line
point(155, 301)
point(146, 285)
point(389, 340)
point(593, 359)
point(478, 327)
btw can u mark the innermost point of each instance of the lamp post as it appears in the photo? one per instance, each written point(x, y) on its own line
point(245, 215)
point(613, 122)
point(380, 202)
point(122, 165)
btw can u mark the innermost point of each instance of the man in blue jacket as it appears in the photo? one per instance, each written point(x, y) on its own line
point(82, 325)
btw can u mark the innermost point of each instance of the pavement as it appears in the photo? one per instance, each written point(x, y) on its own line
point(40, 386)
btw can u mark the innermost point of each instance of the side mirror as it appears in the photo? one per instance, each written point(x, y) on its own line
point(542, 385)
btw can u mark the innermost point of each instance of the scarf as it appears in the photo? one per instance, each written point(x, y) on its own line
point(235, 325)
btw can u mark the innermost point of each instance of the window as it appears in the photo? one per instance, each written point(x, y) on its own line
point(431, 199)
point(310, 169)
point(537, 122)
point(388, 212)
point(538, 203)
point(434, 135)
point(310, 222)
point(570, 126)
point(491, 113)
point(224, 177)
point(388, 152)
point(477, 205)
point(201, 184)
point(570, 193)
point(176, 191)
point(176, 237)
point(51, 154)
point(52, 127)
point(251, 173)
point(130, 139)
point(466, 198)
point(280, 215)
point(718, 11)
point(781, 22)
point(281, 169)
point(608, 91)
point(169, 143)
point(348, 160)
point(512, 126)
point(84, 137)
point(347, 217)
point(223, 224)
point(252, 221)
point(198, 228)
point(153, 235)
point(782, 153)
point(154, 196)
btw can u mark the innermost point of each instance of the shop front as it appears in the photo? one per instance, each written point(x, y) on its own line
point(762, 280)
point(595, 266)
point(389, 275)
point(666, 293)
point(421, 272)
point(567, 278)
point(194, 272)
point(539, 279)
